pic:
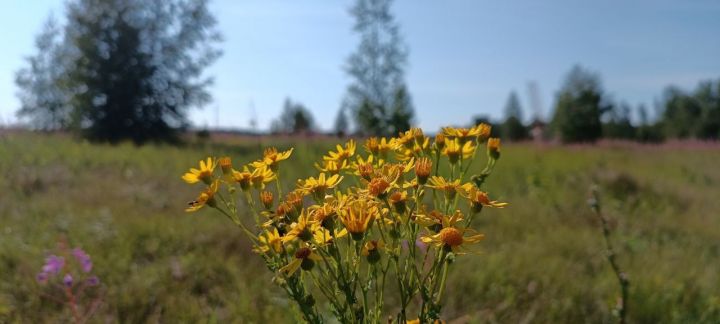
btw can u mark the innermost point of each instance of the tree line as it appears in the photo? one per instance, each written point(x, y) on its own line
point(584, 112)
point(131, 70)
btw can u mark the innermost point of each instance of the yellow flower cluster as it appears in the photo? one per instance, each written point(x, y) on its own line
point(400, 210)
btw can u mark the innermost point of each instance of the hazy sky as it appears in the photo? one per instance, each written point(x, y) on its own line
point(465, 56)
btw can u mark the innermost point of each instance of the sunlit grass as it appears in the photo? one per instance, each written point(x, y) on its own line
point(542, 259)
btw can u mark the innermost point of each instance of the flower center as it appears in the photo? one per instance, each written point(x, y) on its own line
point(451, 236)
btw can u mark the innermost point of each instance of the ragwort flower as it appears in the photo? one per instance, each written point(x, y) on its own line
point(206, 197)
point(342, 154)
point(453, 238)
point(358, 216)
point(318, 187)
point(204, 174)
point(455, 151)
point(271, 158)
point(479, 198)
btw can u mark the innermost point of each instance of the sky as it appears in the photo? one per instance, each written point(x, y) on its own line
point(466, 56)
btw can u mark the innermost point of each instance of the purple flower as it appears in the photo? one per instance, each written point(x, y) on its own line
point(83, 258)
point(42, 277)
point(92, 281)
point(68, 280)
point(53, 264)
point(421, 245)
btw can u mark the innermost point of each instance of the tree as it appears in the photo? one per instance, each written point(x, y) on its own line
point(618, 124)
point(513, 128)
point(294, 119)
point(378, 97)
point(579, 107)
point(695, 114)
point(41, 99)
point(707, 95)
point(681, 113)
point(401, 114)
point(647, 132)
point(135, 67)
point(342, 124)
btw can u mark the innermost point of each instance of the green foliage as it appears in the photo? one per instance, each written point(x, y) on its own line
point(401, 114)
point(41, 98)
point(619, 125)
point(294, 119)
point(579, 107)
point(695, 115)
point(130, 69)
point(378, 97)
point(342, 124)
point(513, 129)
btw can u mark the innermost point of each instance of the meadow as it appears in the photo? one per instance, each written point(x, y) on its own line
point(543, 259)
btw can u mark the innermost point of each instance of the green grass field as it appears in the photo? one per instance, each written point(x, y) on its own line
point(542, 261)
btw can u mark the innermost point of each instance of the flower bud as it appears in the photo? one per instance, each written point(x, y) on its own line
point(377, 187)
point(366, 170)
point(493, 148)
point(439, 141)
point(266, 197)
point(226, 165)
point(68, 280)
point(423, 167)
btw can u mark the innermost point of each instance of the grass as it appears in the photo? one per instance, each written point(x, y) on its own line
point(542, 260)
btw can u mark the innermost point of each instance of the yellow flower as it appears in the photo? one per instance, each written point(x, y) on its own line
point(423, 167)
point(480, 131)
point(205, 174)
point(305, 258)
point(319, 186)
point(493, 148)
point(379, 147)
point(455, 151)
point(417, 148)
point(226, 167)
point(371, 250)
point(324, 214)
point(378, 187)
point(372, 146)
point(266, 197)
point(261, 176)
point(243, 178)
point(364, 168)
point(206, 197)
point(342, 154)
point(453, 238)
point(332, 167)
point(398, 200)
point(269, 241)
point(439, 183)
point(439, 142)
point(417, 321)
point(300, 229)
point(408, 138)
point(436, 220)
point(293, 205)
point(479, 198)
point(271, 158)
point(357, 217)
point(322, 235)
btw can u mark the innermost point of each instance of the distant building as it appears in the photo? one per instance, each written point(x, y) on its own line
point(538, 130)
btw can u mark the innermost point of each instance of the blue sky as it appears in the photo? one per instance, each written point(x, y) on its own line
point(465, 56)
